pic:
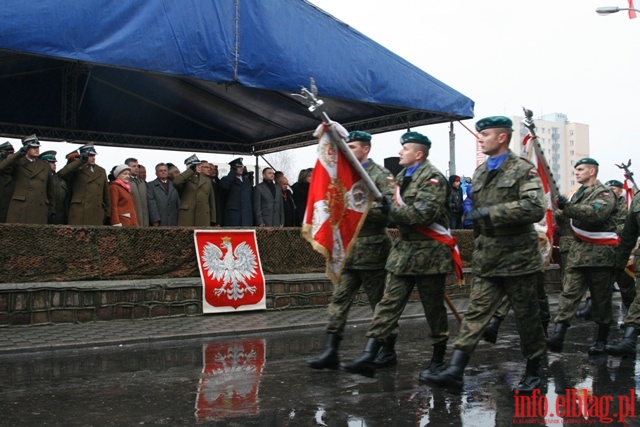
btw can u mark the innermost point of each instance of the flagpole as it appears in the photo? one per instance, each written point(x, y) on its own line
point(531, 127)
point(318, 109)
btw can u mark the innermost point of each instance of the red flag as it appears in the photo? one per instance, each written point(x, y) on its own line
point(627, 186)
point(230, 270)
point(337, 203)
point(632, 13)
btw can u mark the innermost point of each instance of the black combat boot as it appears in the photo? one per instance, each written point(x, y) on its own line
point(329, 358)
point(387, 355)
point(556, 341)
point(626, 347)
point(530, 380)
point(452, 377)
point(364, 364)
point(437, 361)
point(585, 312)
point(601, 341)
point(490, 333)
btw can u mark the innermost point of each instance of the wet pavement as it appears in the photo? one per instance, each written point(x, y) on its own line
point(257, 377)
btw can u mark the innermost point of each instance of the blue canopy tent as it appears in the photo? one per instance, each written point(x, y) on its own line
point(201, 75)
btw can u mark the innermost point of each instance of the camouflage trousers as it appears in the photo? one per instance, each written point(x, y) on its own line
point(633, 315)
point(372, 281)
point(543, 302)
point(627, 286)
point(576, 281)
point(485, 297)
point(396, 295)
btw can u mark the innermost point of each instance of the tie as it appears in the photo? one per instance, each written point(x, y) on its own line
point(405, 183)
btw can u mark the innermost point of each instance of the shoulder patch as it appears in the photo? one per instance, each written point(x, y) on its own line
point(433, 181)
point(533, 172)
point(605, 194)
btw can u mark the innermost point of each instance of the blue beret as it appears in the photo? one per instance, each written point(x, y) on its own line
point(415, 137)
point(358, 135)
point(613, 183)
point(586, 161)
point(493, 122)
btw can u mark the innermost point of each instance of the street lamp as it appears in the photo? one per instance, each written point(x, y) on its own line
point(608, 10)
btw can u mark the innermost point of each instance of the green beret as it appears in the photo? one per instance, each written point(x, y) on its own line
point(49, 156)
point(493, 122)
point(586, 161)
point(613, 183)
point(415, 137)
point(358, 135)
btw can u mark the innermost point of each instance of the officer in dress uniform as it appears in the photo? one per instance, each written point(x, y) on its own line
point(365, 265)
point(197, 202)
point(61, 195)
point(6, 182)
point(508, 199)
point(417, 258)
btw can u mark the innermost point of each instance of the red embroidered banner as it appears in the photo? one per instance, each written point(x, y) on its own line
point(337, 203)
point(230, 382)
point(230, 269)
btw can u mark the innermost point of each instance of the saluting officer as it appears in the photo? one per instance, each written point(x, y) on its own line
point(6, 182)
point(421, 211)
point(197, 202)
point(508, 199)
point(591, 256)
point(365, 265)
point(60, 201)
point(30, 202)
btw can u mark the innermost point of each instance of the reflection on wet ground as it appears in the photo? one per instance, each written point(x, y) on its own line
point(263, 381)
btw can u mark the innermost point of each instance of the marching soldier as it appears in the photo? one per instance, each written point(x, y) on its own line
point(6, 182)
point(420, 258)
point(90, 200)
point(628, 241)
point(61, 195)
point(508, 199)
point(591, 257)
point(30, 202)
point(365, 265)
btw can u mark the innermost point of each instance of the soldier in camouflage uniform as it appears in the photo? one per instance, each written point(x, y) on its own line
point(365, 265)
point(591, 257)
point(508, 198)
point(422, 201)
point(625, 282)
point(628, 241)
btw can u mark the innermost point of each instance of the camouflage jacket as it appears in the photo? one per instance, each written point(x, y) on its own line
point(591, 209)
point(515, 198)
point(371, 247)
point(427, 200)
point(620, 213)
point(629, 236)
point(566, 235)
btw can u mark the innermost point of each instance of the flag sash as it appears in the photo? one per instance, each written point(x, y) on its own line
point(606, 238)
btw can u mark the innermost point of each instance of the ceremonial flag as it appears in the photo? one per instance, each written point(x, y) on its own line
point(632, 13)
point(545, 226)
point(230, 269)
point(337, 204)
point(627, 186)
point(230, 381)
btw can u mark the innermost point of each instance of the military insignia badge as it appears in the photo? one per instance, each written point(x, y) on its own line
point(433, 181)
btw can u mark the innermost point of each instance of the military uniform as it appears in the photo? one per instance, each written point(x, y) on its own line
point(33, 191)
point(61, 195)
point(508, 198)
point(626, 284)
point(6, 182)
point(90, 201)
point(197, 201)
point(589, 265)
point(365, 264)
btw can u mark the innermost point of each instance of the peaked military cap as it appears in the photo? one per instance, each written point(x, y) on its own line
point(72, 155)
point(236, 162)
point(89, 149)
point(192, 160)
point(358, 135)
point(31, 141)
point(6, 147)
point(613, 183)
point(586, 161)
point(416, 138)
point(493, 122)
point(49, 156)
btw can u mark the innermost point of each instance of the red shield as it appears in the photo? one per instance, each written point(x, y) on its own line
point(230, 380)
point(231, 271)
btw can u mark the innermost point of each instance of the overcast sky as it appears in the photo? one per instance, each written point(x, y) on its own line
point(548, 55)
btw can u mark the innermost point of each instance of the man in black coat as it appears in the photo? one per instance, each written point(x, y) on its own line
point(238, 211)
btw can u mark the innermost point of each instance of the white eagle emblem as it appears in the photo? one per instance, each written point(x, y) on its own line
point(233, 269)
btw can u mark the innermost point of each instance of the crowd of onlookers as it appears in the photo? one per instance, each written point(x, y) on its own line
point(34, 191)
